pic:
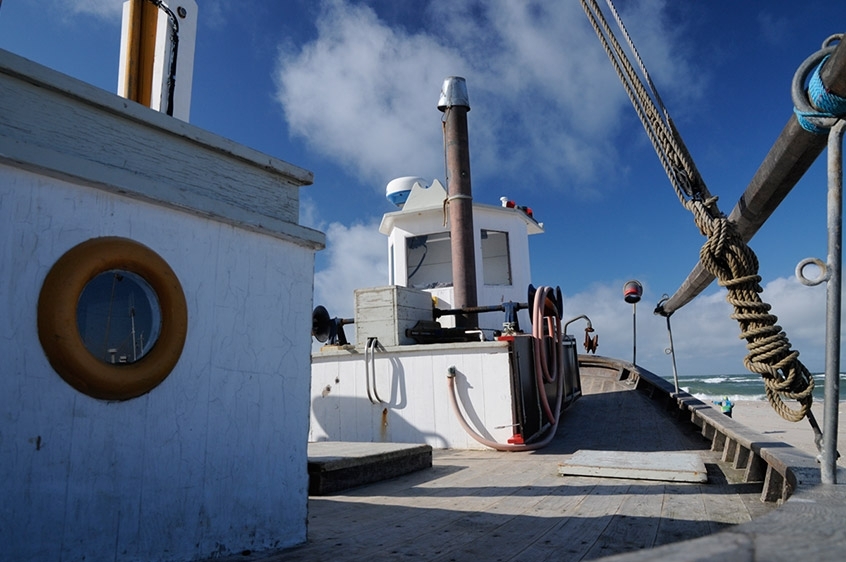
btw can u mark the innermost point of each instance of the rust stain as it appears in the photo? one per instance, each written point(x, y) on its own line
point(326, 391)
point(383, 431)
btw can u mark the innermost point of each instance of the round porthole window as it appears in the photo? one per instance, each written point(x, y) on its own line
point(112, 318)
point(118, 317)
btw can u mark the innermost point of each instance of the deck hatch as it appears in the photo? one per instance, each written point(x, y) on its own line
point(638, 465)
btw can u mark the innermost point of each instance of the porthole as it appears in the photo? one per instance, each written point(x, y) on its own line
point(112, 318)
point(118, 317)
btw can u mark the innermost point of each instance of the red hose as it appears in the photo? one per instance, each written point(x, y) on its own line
point(542, 371)
point(542, 361)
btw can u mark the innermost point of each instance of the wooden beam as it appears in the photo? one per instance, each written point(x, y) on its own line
point(794, 151)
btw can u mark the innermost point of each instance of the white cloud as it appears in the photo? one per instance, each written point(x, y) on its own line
point(309, 214)
point(362, 93)
point(107, 9)
point(357, 258)
point(543, 97)
point(706, 338)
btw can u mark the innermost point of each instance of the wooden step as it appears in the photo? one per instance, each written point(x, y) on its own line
point(337, 465)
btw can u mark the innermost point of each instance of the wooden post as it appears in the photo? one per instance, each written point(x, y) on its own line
point(143, 20)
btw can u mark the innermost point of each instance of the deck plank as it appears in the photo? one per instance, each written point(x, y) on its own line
point(635, 526)
point(487, 505)
point(577, 530)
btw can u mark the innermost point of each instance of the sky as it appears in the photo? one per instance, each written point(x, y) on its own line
point(348, 89)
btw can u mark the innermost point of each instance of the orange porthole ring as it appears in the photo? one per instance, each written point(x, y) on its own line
point(57, 319)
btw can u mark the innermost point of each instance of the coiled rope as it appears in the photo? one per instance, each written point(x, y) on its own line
point(724, 254)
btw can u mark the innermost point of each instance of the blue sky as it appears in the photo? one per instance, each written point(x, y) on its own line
point(348, 89)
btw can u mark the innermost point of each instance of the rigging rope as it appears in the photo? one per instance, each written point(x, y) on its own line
point(724, 254)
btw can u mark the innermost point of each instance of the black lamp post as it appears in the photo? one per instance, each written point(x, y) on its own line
point(632, 291)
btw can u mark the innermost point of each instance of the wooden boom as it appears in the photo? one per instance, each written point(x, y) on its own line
point(794, 151)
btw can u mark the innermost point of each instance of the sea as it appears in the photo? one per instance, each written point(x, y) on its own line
point(746, 386)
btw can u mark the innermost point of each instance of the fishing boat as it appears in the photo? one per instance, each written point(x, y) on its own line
point(440, 442)
point(151, 413)
point(624, 464)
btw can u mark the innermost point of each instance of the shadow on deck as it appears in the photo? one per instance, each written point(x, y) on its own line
point(763, 501)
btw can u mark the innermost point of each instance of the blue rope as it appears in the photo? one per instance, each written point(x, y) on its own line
point(821, 97)
point(804, 118)
point(828, 103)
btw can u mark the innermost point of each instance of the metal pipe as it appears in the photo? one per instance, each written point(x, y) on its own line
point(833, 302)
point(671, 351)
point(632, 292)
point(370, 369)
point(454, 103)
point(794, 151)
point(583, 316)
point(634, 333)
point(438, 312)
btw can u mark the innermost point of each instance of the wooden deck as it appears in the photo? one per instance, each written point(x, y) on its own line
point(479, 505)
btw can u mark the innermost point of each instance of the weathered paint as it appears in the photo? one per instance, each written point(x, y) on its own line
point(412, 381)
point(213, 460)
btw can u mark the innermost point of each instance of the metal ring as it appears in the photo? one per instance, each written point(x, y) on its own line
point(830, 40)
point(824, 273)
point(799, 94)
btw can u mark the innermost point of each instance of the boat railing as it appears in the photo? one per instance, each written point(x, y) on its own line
point(810, 514)
point(781, 467)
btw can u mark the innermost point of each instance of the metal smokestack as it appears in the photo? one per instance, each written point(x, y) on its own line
point(455, 103)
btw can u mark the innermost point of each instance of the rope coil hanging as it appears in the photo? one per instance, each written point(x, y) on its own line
point(724, 254)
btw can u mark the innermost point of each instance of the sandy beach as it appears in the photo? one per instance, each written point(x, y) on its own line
point(759, 415)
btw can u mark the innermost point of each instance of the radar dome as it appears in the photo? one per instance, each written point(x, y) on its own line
point(398, 189)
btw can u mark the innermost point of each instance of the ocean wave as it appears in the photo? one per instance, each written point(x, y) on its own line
point(710, 398)
point(715, 380)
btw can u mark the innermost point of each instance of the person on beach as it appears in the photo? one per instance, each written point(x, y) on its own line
point(725, 405)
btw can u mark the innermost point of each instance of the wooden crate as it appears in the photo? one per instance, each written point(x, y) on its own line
point(386, 313)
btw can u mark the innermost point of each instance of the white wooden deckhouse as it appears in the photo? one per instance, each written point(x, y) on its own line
point(419, 248)
point(396, 390)
point(211, 460)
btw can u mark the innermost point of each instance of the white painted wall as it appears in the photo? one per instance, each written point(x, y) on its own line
point(485, 217)
point(213, 460)
point(412, 382)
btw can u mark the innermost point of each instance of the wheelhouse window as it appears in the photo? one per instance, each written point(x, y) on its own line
point(429, 261)
point(496, 262)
